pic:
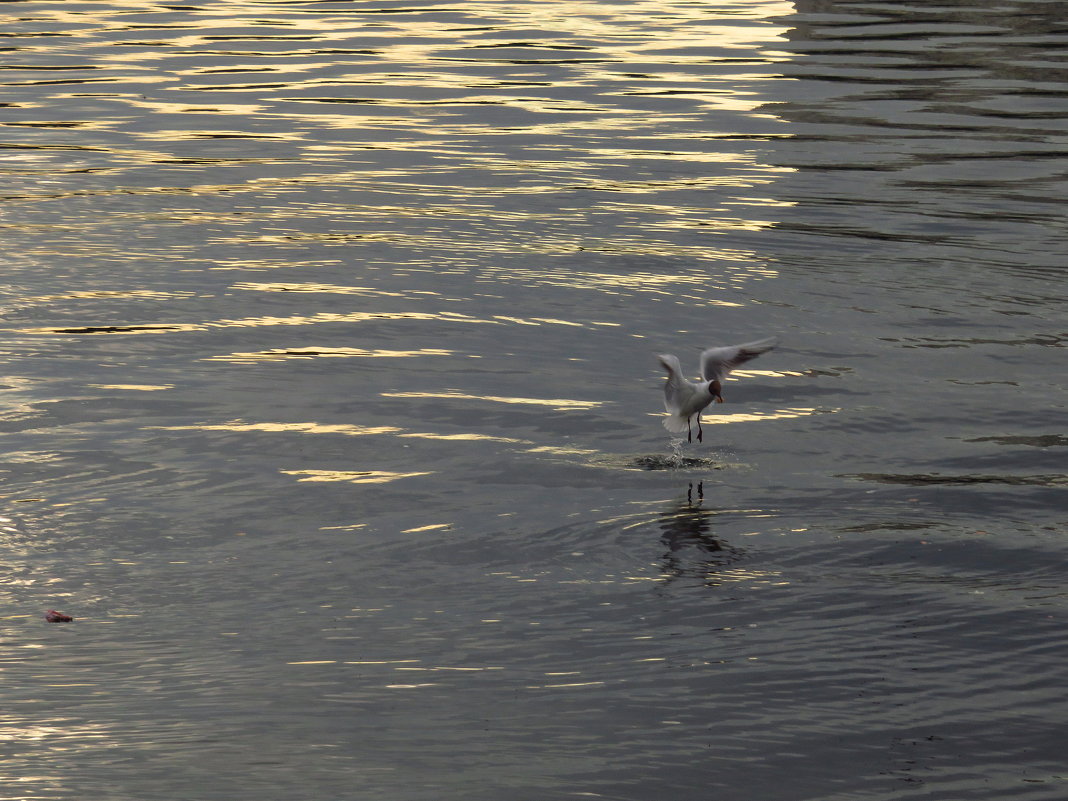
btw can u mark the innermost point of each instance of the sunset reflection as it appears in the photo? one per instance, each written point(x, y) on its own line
point(339, 429)
point(559, 404)
point(327, 353)
point(352, 476)
point(135, 387)
point(342, 429)
point(721, 418)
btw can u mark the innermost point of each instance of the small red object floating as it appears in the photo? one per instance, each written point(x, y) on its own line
point(52, 616)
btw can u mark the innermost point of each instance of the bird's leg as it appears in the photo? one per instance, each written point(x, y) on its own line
point(689, 433)
point(700, 433)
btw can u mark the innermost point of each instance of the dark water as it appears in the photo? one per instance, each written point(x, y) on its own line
point(330, 406)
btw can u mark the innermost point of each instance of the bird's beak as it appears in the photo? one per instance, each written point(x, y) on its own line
point(719, 399)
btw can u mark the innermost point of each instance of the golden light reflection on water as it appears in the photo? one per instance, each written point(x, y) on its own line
point(17, 729)
point(587, 17)
point(570, 685)
point(341, 429)
point(736, 374)
point(263, 263)
point(557, 450)
point(135, 387)
point(411, 686)
point(327, 289)
point(288, 428)
point(693, 285)
point(345, 317)
point(409, 61)
point(721, 418)
point(558, 404)
point(585, 104)
point(431, 527)
point(96, 294)
point(317, 318)
point(325, 353)
point(464, 437)
point(352, 476)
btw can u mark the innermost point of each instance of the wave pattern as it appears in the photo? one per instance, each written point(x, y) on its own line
point(329, 400)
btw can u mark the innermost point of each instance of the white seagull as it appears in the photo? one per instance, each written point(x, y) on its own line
point(683, 399)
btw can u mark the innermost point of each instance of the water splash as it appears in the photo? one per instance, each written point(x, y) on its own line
point(672, 461)
point(676, 452)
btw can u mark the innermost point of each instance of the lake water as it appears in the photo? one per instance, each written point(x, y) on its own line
point(330, 404)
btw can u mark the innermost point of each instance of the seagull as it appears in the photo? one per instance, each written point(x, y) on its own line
point(683, 399)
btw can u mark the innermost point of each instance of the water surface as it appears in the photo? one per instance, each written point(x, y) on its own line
point(330, 400)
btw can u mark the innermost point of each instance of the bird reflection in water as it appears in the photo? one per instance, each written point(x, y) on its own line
point(692, 550)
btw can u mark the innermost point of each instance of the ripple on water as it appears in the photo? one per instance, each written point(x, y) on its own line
point(319, 313)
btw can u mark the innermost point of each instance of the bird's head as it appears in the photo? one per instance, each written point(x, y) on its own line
point(715, 389)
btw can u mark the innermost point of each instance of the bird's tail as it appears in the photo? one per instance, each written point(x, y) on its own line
point(676, 424)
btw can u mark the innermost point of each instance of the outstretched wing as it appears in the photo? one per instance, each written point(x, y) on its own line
point(716, 363)
point(677, 390)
